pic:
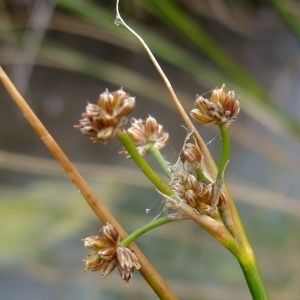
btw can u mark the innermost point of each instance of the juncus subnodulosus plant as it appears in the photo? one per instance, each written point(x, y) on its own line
point(195, 186)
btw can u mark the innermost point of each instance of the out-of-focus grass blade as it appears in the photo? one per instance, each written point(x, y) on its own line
point(168, 51)
point(169, 12)
point(57, 56)
point(253, 195)
point(289, 14)
point(264, 111)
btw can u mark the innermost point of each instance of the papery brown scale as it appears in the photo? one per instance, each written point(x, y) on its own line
point(110, 233)
point(126, 108)
point(104, 102)
point(118, 97)
point(107, 253)
point(204, 208)
point(138, 124)
point(160, 131)
point(125, 274)
point(202, 119)
point(217, 117)
point(151, 127)
point(179, 189)
point(230, 106)
point(201, 105)
point(193, 183)
point(165, 137)
point(106, 120)
point(124, 258)
point(92, 262)
point(192, 154)
point(95, 242)
point(92, 109)
point(135, 261)
point(106, 267)
point(88, 131)
point(192, 199)
point(206, 194)
point(161, 142)
point(137, 136)
point(105, 134)
point(231, 95)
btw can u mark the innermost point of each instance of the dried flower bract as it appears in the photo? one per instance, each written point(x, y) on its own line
point(222, 108)
point(101, 121)
point(107, 255)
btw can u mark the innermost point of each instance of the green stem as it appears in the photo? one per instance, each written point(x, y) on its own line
point(225, 151)
point(151, 225)
point(160, 160)
point(143, 165)
point(222, 166)
point(199, 174)
point(245, 257)
point(253, 277)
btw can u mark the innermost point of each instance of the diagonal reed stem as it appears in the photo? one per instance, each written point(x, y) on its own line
point(147, 270)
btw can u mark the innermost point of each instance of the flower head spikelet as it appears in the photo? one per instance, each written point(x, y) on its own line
point(222, 108)
point(192, 155)
point(145, 134)
point(106, 254)
point(127, 262)
point(101, 121)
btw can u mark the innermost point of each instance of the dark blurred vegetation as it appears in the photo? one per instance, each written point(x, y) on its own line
point(61, 54)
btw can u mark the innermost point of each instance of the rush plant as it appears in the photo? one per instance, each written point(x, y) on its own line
point(193, 188)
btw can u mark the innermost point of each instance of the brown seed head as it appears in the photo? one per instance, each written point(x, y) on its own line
point(110, 233)
point(222, 108)
point(192, 155)
point(127, 262)
point(107, 255)
point(92, 262)
point(147, 133)
point(101, 121)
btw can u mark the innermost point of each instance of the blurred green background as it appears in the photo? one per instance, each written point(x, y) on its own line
point(61, 54)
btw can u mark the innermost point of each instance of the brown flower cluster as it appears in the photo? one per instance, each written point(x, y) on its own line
point(192, 155)
point(222, 108)
point(147, 133)
point(197, 192)
point(101, 121)
point(107, 255)
point(197, 195)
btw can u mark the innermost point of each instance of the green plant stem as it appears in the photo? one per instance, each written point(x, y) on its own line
point(199, 174)
point(143, 165)
point(245, 257)
point(222, 166)
point(253, 277)
point(160, 160)
point(151, 225)
point(225, 150)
